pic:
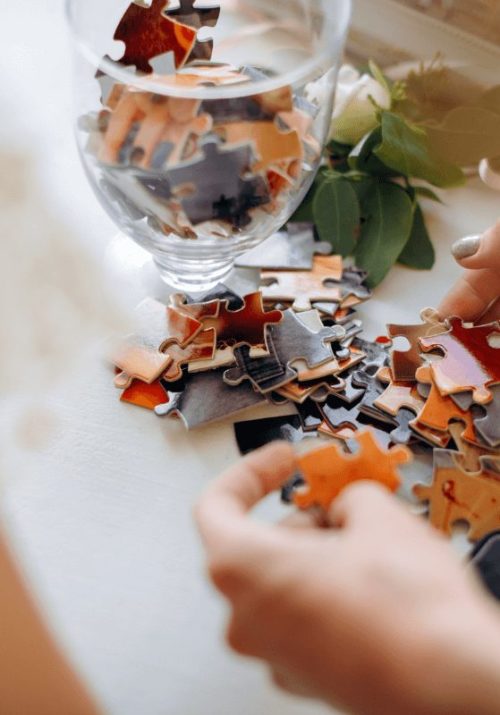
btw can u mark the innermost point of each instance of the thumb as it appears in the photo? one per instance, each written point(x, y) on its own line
point(477, 252)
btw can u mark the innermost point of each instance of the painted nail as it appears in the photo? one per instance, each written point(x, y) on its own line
point(466, 247)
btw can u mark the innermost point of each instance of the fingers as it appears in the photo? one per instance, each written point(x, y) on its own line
point(478, 289)
point(303, 520)
point(472, 295)
point(220, 512)
point(363, 505)
point(475, 252)
point(492, 314)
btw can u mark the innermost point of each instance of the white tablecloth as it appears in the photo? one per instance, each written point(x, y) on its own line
point(101, 518)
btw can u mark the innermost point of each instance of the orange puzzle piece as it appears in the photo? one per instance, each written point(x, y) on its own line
point(143, 395)
point(144, 353)
point(456, 495)
point(246, 325)
point(405, 363)
point(327, 471)
point(469, 363)
point(305, 287)
point(438, 411)
point(398, 394)
point(271, 144)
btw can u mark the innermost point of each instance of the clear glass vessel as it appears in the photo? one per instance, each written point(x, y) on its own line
point(200, 125)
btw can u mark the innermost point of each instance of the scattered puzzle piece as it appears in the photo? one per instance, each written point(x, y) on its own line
point(488, 426)
point(405, 364)
point(143, 395)
point(255, 434)
point(207, 398)
point(301, 288)
point(469, 363)
point(147, 33)
point(471, 455)
point(292, 249)
point(397, 395)
point(485, 558)
point(144, 353)
point(438, 410)
point(200, 349)
point(246, 325)
point(329, 470)
point(456, 495)
point(266, 373)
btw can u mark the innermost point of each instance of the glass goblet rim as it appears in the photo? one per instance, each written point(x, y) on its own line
point(322, 60)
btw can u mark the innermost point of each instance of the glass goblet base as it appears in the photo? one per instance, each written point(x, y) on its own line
point(193, 276)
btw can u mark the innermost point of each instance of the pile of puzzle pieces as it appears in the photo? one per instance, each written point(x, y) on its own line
point(188, 166)
point(296, 340)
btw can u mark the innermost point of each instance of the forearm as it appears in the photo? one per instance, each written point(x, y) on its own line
point(34, 677)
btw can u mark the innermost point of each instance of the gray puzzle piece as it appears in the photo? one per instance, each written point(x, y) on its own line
point(206, 398)
point(266, 374)
point(373, 390)
point(403, 433)
point(291, 249)
point(292, 341)
point(237, 109)
point(219, 191)
point(464, 400)
point(488, 426)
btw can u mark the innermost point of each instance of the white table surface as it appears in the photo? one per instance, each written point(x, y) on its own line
point(101, 517)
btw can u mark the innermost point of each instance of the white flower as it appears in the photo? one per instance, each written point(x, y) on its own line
point(354, 114)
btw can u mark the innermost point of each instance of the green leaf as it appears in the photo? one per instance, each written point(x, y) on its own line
point(362, 185)
point(338, 150)
point(336, 214)
point(427, 193)
point(467, 135)
point(304, 212)
point(419, 252)
point(363, 156)
point(389, 218)
point(406, 150)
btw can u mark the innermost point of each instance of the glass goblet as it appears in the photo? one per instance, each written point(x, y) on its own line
point(201, 127)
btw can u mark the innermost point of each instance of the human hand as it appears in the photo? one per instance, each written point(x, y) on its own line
point(476, 294)
point(377, 616)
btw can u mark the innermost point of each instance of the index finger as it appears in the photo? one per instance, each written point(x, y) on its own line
point(222, 510)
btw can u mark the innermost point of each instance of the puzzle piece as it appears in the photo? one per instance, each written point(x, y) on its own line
point(317, 390)
point(398, 395)
point(291, 249)
point(207, 398)
point(151, 130)
point(255, 434)
point(144, 354)
point(202, 348)
point(309, 415)
point(246, 325)
point(143, 395)
point(303, 287)
point(302, 123)
point(456, 495)
point(367, 378)
point(293, 341)
point(327, 471)
point(270, 144)
point(266, 374)
point(439, 410)
point(488, 426)
point(218, 190)
point(469, 363)
point(196, 17)
point(258, 107)
point(471, 454)
point(147, 33)
point(405, 364)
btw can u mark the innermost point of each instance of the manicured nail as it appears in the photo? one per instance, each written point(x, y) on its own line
point(466, 247)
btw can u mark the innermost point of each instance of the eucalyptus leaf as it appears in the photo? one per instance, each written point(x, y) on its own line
point(363, 156)
point(304, 213)
point(363, 185)
point(389, 219)
point(337, 215)
point(467, 135)
point(419, 252)
point(406, 150)
point(427, 193)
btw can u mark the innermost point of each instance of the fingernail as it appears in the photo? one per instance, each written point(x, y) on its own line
point(466, 247)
